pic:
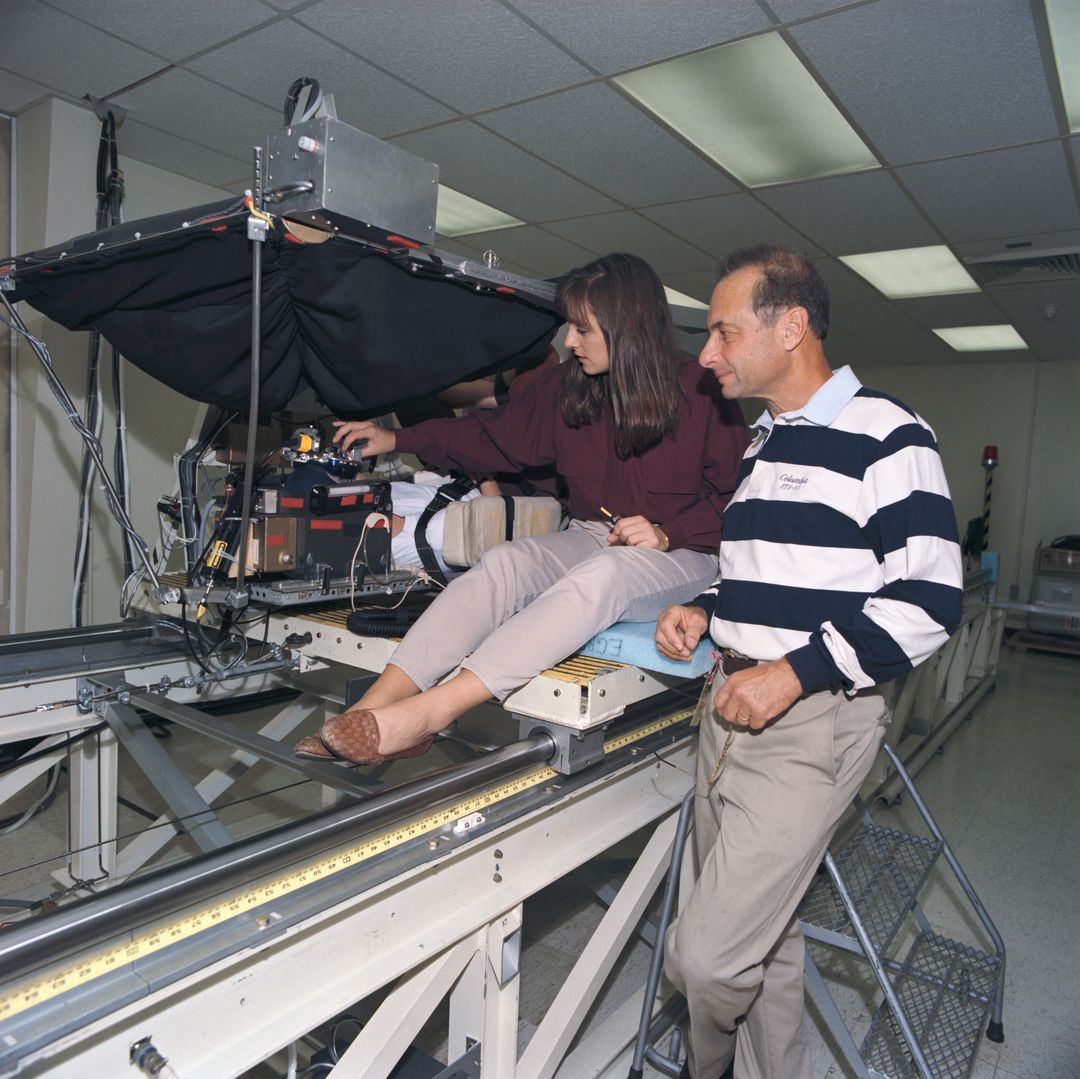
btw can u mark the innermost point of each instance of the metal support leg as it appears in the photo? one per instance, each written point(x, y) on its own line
point(237, 737)
point(141, 849)
point(175, 788)
point(92, 808)
point(484, 1003)
point(391, 1030)
point(559, 1026)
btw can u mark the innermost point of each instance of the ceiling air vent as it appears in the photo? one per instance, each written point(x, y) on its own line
point(1025, 267)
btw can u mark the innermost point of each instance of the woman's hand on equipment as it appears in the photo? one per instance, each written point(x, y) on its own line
point(678, 630)
point(377, 439)
point(638, 532)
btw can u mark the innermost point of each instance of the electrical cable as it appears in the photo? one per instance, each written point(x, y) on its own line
point(187, 474)
point(94, 418)
point(33, 755)
point(340, 1021)
point(110, 196)
point(120, 454)
point(52, 779)
point(57, 389)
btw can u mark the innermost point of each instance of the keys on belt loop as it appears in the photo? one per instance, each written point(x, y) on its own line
point(706, 689)
point(715, 774)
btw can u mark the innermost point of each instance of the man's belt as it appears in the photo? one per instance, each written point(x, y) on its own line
point(732, 661)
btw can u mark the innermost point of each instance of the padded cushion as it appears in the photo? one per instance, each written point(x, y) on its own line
point(472, 527)
point(635, 643)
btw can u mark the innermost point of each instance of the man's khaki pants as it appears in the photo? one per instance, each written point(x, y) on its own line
point(736, 952)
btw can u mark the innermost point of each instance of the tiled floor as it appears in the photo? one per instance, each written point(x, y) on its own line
point(1005, 790)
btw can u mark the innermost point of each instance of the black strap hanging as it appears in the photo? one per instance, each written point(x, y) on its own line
point(453, 491)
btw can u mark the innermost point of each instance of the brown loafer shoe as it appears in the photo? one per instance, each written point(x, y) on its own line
point(311, 748)
point(354, 736)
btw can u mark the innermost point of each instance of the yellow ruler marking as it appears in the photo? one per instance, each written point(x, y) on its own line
point(146, 944)
point(620, 741)
point(100, 963)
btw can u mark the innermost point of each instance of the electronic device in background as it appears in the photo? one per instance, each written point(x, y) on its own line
point(1056, 583)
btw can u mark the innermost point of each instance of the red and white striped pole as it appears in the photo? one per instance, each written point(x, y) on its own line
point(989, 462)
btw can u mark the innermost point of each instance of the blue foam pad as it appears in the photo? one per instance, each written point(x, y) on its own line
point(635, 643)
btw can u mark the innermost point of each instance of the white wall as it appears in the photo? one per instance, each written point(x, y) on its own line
point(1028, 410)
point(56, 191)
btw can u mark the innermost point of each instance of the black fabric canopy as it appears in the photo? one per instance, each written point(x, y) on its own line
point(365, 325)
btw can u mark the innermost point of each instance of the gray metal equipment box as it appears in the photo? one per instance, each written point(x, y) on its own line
point(1056, 584)
point(352, 182)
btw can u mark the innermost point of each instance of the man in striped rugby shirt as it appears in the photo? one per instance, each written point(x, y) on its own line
point(839, 571)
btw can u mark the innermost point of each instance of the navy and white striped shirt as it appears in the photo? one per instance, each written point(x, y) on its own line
point(839, 547)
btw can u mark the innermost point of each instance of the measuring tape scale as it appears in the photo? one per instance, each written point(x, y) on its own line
point(95, 966)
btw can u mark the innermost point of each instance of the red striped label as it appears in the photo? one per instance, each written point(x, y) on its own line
point(327, 526)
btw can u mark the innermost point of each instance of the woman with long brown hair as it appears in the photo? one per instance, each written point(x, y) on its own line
point(629, 424)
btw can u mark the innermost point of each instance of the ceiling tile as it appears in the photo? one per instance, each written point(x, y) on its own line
point(697, 283)
point(874, 321)
point(612, 145)
point(365, 97)
point(1025, 189)
point(1024, 304)
point(916, 346)
point(800, 9)
point(642, 31)
point(455, 245)
point(720, 225)
point(1052, 342)
point(844, 285)
point(49, 46)
point(536, 251)
point(626, 231)
point(967, 309)
point(485, 166)
point(177, 155)
point(171, 30)
point(16, 92)
point(848, 215)
point(1018, 356)
point(932, 80)
point(190, 106)
point(483, 56)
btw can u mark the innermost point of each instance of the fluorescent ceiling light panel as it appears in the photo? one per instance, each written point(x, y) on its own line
point(1063, 17)
point(1001, 338)
point(913, 271)
point(460, 215)
point(680, 299)
point(754, 109)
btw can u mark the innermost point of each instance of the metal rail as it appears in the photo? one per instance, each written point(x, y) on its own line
point(56, 935)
